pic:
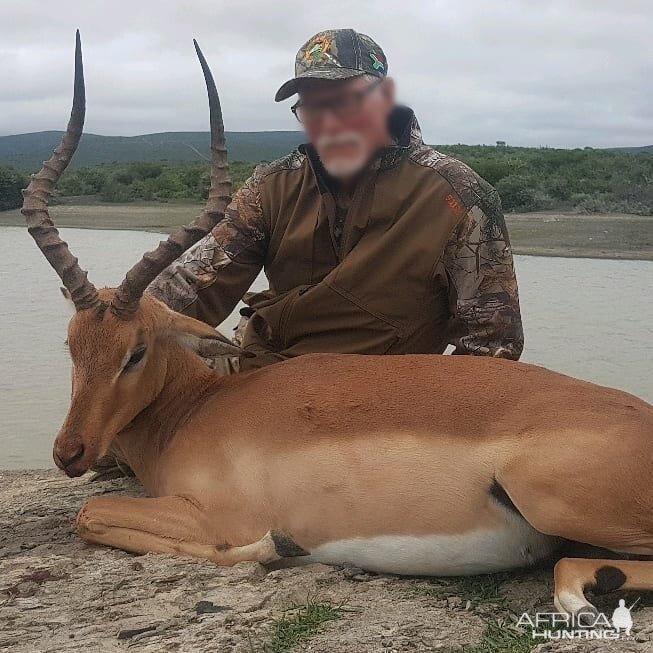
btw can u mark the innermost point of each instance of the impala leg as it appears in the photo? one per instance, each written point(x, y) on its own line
point(173, 525)
point(574, 575)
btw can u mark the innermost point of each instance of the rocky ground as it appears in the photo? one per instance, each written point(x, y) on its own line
point(58, 594)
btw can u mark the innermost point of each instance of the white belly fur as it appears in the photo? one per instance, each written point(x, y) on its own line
point(515, 544)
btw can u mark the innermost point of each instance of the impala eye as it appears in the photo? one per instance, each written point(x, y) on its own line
point(135, 358)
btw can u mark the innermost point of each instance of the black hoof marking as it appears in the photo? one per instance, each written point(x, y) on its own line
point(608, 579)
point(285, 546)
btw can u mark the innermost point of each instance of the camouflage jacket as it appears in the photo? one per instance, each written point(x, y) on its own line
point(423, 261)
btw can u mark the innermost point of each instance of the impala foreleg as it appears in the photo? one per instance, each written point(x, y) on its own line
point(574, 575)
point(172, 525)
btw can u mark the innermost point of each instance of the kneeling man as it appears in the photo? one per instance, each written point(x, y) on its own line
point(372, 242)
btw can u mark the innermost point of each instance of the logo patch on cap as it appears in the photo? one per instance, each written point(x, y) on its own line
point(317, 49)
point(377, 62)
point(335, 54)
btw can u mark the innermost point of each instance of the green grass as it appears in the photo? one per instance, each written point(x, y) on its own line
point(299, 623)
point(485, 588)
point(503, 636)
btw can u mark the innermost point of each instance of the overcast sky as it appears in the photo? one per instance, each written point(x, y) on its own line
point(560, 73)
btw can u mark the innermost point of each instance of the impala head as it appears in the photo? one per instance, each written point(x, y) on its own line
point(118, 337)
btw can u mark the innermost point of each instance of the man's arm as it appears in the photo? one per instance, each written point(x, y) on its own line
point(482, 286)
point(208, 280)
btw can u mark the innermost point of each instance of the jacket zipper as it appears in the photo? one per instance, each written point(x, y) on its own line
point(356, 202)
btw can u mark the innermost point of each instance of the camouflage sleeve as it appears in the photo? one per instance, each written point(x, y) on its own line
point(209, 279)
point(482, 286)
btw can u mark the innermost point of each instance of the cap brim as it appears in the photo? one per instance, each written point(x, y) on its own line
point(292, 85)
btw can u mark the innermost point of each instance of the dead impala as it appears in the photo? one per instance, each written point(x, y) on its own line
point(397, 464)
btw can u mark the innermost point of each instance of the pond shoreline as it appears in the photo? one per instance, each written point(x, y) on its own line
point(565, 235)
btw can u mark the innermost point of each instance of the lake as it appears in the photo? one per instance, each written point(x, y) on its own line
point(585, 317)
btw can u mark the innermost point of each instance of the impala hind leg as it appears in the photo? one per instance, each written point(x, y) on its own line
point(173, 525)
point(575, 575)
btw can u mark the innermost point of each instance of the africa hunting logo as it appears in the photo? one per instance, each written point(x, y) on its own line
point(588, 624)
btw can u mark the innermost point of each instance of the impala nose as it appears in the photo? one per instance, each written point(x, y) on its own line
point(65, 457)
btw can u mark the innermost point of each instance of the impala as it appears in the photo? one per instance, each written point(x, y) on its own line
point(420, 464)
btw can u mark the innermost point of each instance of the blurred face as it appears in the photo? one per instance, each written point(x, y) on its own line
point(346, 121)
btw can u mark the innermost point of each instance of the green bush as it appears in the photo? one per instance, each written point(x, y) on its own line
point(528, 179)
point(147, 181)
point(518, 193)
point(590, 203)
point(581, 179)
point(558, 188)
point(12, 183)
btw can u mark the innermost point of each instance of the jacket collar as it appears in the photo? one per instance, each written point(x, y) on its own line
point(407, 134)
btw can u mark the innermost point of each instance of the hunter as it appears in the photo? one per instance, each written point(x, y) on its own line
point(372, 242)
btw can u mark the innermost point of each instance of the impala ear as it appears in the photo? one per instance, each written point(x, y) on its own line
point(211, 347)
point(200, 337)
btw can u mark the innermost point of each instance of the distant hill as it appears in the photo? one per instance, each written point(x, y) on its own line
point(635, 150)
point(27, 151)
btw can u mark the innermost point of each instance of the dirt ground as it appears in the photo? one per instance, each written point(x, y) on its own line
point(590, 236)
point(59, 594)
point(537, 234)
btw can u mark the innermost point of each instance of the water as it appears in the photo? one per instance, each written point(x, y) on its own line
point(588, 318)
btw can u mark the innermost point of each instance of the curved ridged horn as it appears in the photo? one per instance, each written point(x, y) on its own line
point(36, 195)
point(125, 301)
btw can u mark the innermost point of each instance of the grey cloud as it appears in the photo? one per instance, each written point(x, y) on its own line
point(559, 73)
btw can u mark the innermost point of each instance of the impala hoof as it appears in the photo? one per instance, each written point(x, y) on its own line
point(587, 617)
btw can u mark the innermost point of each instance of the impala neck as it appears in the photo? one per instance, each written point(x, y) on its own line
point(188, 382)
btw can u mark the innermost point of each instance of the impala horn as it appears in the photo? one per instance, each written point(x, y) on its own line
point(41, 187)
point(125, 301)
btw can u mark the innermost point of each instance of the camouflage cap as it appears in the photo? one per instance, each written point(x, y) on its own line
point(335, 54)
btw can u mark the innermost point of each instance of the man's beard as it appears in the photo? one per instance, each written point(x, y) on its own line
point(342, 166)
